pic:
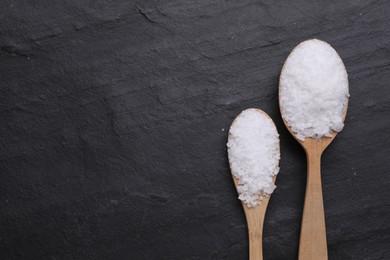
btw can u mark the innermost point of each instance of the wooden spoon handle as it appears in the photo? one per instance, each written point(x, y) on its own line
point(255, 220)
point(255, 247)
point(312, 243)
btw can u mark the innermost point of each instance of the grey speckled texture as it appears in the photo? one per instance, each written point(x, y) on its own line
point(112, 118)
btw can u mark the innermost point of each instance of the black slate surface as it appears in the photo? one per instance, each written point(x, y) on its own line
point(114, 118)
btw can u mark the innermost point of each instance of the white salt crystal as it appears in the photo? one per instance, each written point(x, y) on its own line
point(314, 90)
point(253, 150)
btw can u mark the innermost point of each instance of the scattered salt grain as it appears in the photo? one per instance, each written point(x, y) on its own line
point(253, 150)
point(314, 90)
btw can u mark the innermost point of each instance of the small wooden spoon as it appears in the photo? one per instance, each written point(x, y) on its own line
point(255, 218)
point(312, 243)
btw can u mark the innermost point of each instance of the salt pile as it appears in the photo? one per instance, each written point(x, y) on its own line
point(253, 150)
point(314, 90)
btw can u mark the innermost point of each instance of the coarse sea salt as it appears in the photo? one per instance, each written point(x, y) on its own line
point(314, 90)
point(254, 154)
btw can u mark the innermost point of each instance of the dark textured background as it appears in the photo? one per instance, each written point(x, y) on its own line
point(114, 118)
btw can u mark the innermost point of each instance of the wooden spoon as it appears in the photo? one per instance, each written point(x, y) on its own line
point(312, 243)
point(255, 217)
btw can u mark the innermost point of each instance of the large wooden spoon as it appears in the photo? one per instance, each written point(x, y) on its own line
point(312, 244)
point(255, 217)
